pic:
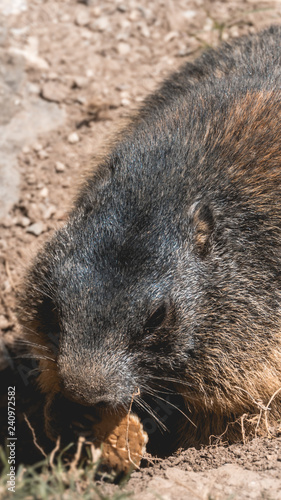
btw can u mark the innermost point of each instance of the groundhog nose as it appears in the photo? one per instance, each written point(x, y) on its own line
point(87, 396)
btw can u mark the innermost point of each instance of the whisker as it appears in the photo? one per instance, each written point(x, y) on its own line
point(34, 332)
point(145, 406)
point(33, 356)
point(163, 389)
point(43, 292)
point(32, 344)
point(174, 406)
point(34, 370)
point(173, 380)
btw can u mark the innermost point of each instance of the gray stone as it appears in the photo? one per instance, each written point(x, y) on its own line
point(20, 124)
point(37, 228)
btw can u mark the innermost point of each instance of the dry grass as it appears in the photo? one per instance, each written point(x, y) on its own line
point(57, 482)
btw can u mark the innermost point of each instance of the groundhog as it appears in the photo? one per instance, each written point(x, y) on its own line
point(166, 277)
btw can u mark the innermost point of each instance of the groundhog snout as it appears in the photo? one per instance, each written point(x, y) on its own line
point(94, 384)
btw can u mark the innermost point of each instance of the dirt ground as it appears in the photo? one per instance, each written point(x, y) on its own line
point(69, 72)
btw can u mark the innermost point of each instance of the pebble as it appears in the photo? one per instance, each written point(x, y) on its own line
point(59, 166)
point(33, 88)
point(31, 59)
point(80, 82)
point(82, 17)
point(144, 30)
point(81, 100)
point(32, 210)
point(66, 182)
point(54, 91)
point(73, 138)
point(7, 222)
point(100, 24)
point(125, 102)
point(23, 221)
point(52, 75)
point(134, 15)
point(171, 35)
point(31, 179)
point(43, 155)
point(90, 73)
point(44, 192)
point(50, 210)
point(37, 147)
point(123, 48)
point(122, 7)
point(189, 14)
point(37, 228)
point(86, 34)
point(6, 286)
point(26, 150)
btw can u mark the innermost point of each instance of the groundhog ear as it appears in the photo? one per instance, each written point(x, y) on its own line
point(202, 224)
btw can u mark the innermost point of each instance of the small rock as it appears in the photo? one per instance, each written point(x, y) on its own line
point(97, 11)
point(81, 100)
point(59, 166)
point(6, 286)
point(170, 36)
point(123, 48)
point(73, 138)
point(125, 102)
point(26, 150)
point(134, 15)
point(122, 8)
point(89, 73)
point(86, 34)
point(37, 147)
point(43, 155)
point(23, 221)
point(52, 76)
point(82, 17)
point(32, 45)
point(31, 179)
point(32, 211)
point(189, 14)
point(79, 82)
point(125, 94)
point(44, 192)
point(100, 24)
point(54, 91)
point(66, 182)
point(31, 60)
point(50, 210)
point(37, 228)
point(144, 30)
point(7, 222)
point(33, 88)
point(125, 24)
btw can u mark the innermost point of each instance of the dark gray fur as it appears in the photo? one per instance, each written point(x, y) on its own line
point(168, 268)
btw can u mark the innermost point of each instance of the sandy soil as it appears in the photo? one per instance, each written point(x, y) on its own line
point(69, 72)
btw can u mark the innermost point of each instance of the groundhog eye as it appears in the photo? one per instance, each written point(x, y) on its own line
point(156, 319)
